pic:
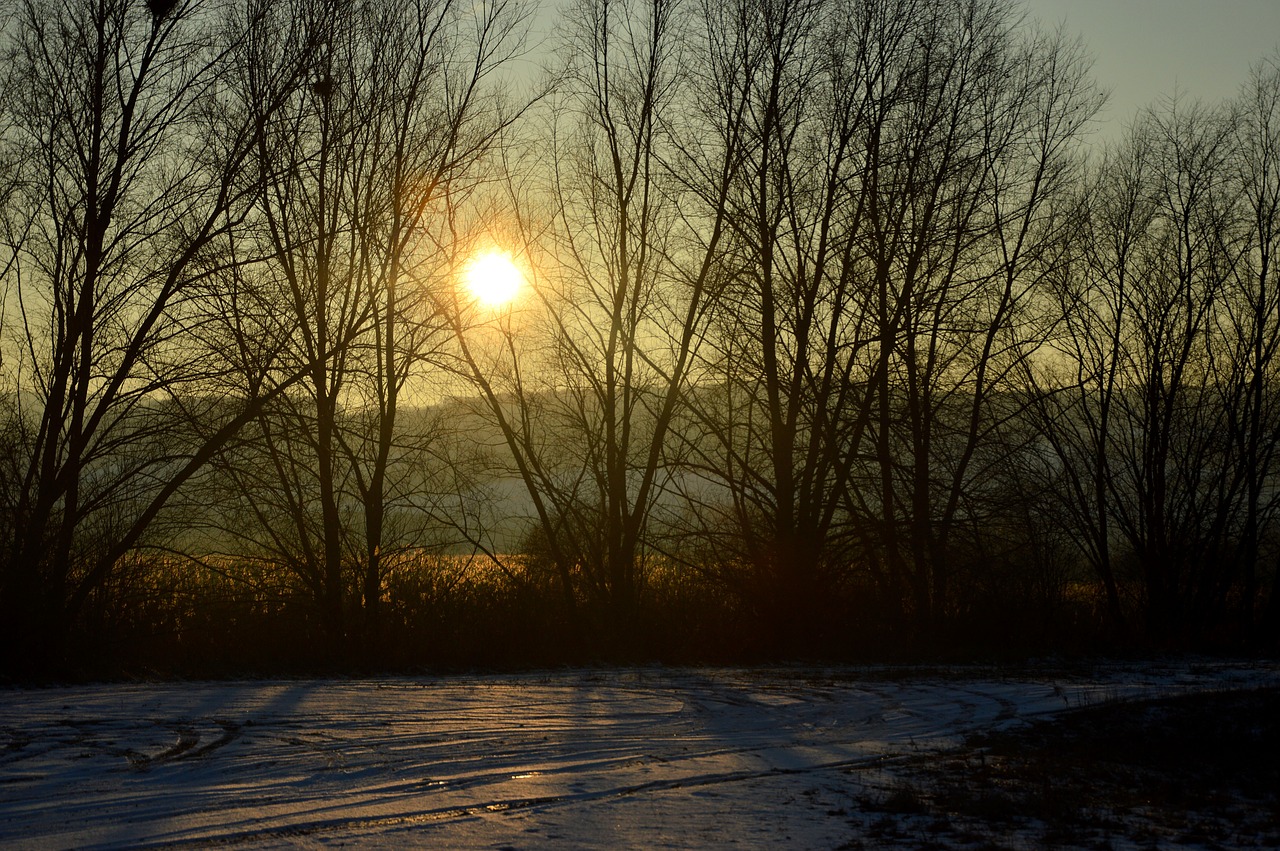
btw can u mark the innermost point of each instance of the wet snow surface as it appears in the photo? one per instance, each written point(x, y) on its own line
point(637, 758)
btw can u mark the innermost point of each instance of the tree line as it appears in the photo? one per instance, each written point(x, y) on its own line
point(839, 329)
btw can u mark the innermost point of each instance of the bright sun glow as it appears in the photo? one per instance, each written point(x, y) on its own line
point(493, 278)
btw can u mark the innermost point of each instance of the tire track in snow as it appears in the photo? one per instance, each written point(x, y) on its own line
point(498, 806)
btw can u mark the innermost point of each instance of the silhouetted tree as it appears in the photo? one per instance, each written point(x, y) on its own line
point(357, 170)
point(626, 276)
point(892, 224)
point(1161, 413)
point(1253, 317)
point(132, 171)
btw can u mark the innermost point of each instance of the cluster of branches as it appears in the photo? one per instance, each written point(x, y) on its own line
point(222, 221)
point(825, 307)
point(838, 315)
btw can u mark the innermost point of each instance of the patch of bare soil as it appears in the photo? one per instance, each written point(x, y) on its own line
point(1197, 771)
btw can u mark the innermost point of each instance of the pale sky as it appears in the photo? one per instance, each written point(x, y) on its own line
point(1144, 49)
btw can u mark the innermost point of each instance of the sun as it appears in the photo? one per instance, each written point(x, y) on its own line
point(493, 278)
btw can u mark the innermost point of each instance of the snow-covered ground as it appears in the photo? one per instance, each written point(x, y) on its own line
point(629, 758)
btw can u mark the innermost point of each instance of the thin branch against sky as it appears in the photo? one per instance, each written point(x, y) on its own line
point(1145, 50)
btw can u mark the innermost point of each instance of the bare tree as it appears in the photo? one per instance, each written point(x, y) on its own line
point(624, 294)
point(892, 225)
point(971, 228)
point(133, 169)
point(1074, 396)
point(1166, 343)
point(1253, 311)
point(358, 170)
point(806, 81)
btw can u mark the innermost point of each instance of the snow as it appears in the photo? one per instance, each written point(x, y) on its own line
point(635, 758)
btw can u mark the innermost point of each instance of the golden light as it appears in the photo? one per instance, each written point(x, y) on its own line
point(493, 278)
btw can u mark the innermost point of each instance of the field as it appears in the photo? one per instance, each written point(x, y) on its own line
point(972, 757)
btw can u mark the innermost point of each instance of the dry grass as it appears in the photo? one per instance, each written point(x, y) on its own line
point(1196, 771)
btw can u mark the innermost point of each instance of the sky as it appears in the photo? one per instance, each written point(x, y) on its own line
point(1145, 49)
point(1142, 49)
